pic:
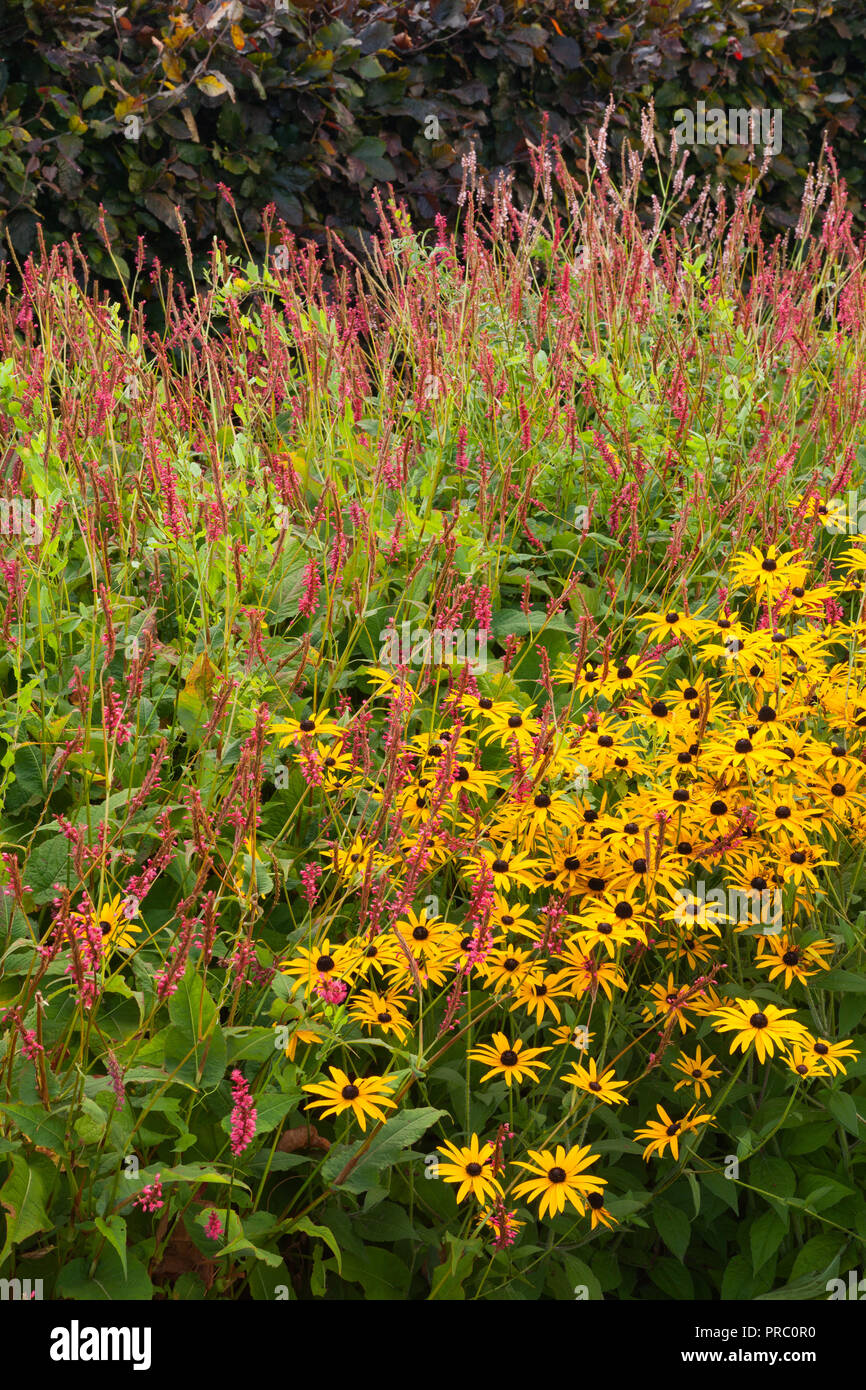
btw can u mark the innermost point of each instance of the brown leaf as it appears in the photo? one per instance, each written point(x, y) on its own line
point(181, 1256)
point(304, 1137)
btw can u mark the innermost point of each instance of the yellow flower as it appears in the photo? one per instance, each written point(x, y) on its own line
point(601, 1086)
point(509, 1060)
point(761, 1025)
point(466, 1166)
point(363, 1096)
point(559, 1177)
point(666, 1131)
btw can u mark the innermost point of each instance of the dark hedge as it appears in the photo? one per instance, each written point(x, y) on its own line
point(146, 106)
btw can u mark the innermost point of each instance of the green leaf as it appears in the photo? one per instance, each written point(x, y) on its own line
point(319, 1233)
point(843, 1109)
point(47, 1129)
point(109, 1283)
point(737, 1281)
point(46, 866)
point(23, 1197)
point(673, 1279)
point(114, 1230)
point(808, 1138)
point(673, 1226)
point(844, 980)
point(819, 1255)
point(765, 1236)
point(398, 1134)
point(195, 1030)
point(379, 1271)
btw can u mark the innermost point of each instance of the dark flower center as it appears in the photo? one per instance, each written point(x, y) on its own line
point(718, 808)
point(838, 789)
point(542, 801)
point(690, 693)
point(473, 1170)
point(758, 1021)
point(659, 709)
point(500, 866)
point(307, 725)
point(791, 957)
point(672, 618)
point(508, 1058)
point(596, 1200)
point(350, 1093)
point(639, 866)
point(384, 1018)
point(605, 741)
point(515, 721)
point(556, 1175)
point(324, 964)
point(743, 745)
point(822, 1049)
point(769, 566)
point(420, 934)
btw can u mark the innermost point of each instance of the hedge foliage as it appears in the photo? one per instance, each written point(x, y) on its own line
point(148, 106)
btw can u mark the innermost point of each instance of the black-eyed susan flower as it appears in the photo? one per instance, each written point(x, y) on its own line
point(599, 1214)
point(665, 1132)
point(770, 571)
point(795, 961)
point(538, 995)
point(672, 622)
point(470, 1166)
point(115, 923)
point(804, 1063)
point(696, 1071)
point(602, 1086)
point(318, 725)
point(508, 1060)
point(762, 1026)
point(362, 1096)
point(830, 1053)
point(379, 1013)
point(559, 1177)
